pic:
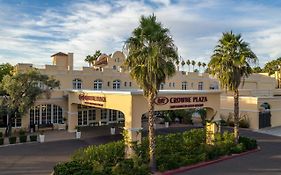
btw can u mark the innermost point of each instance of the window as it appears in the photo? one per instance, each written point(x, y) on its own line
point(92, 114)
point(103, 114)
point(162, 86)
point(184, 85)
point(46, 113)
point(4, 119)
point(170, 84)
point(125, 83)
point(97, 85)
point(77, 84)
point(116, 84)
point(174, 84)
point(200, 86)
point(108, 84)
point(130, 84)
point(112, 115)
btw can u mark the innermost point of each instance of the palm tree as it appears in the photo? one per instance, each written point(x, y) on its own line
point(151, 57)
point(178, 63)
point(188, 63)
point(204, 65)
point(230, 63)
point(182, 63)
point(90, 59)
point(193, 64)
point(199, 65)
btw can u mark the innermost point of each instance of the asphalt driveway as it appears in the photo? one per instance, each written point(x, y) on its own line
point(40, 158)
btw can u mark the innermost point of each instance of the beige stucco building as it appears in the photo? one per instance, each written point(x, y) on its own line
point(105, 93)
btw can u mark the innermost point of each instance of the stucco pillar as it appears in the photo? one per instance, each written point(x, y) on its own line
point(72, 117)
point(133, 132)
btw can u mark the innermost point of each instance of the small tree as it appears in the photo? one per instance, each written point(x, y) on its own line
point(22, 90)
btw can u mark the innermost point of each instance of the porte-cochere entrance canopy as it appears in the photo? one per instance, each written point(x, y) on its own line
point(133, 104)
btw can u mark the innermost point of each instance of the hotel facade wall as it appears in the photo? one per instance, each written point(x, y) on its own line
point(255, 87)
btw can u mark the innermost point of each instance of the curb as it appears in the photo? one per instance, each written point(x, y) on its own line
point(202, 164)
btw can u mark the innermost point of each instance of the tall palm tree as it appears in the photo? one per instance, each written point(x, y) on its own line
point(182, 64)
point(188, 63)
point(178, 63)
point(91, 58)
point(151, 57)
point(199, 65)
point(193, 64)
point(204, 65)
point(230, 63)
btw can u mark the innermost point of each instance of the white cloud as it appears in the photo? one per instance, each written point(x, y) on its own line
point(85, 26)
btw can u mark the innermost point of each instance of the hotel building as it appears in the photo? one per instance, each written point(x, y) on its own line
point(92, 95)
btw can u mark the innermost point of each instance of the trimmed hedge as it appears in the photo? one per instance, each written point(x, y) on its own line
point(172, 151)
point(12, 140)
point(33, 138)
point(1, 140)
point(22, 138)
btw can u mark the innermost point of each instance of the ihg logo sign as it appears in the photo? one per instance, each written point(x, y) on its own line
point(161, 100)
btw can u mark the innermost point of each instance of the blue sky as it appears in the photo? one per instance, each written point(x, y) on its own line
point(32, 30)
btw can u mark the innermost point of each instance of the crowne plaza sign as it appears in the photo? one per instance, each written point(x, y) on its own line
point(181, 102)
point(92, 100)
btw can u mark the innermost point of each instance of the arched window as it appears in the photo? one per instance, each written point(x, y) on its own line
point(98, 85)
point(116, 84)
point(184, 85)
point(77, 84)
point(45, 114)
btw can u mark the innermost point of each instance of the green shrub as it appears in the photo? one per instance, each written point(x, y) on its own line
point(1, 134)
point(33, 138)
point(248, 143)
point(106, 155)
point(73, 167)
point(12, 139)
point(238, 148)
point(1, 140)
point(22, 138)
point(130, 167)
point(171, 151)
point(22, 132)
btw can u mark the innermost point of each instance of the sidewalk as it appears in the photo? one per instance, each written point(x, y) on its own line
point(275, 131)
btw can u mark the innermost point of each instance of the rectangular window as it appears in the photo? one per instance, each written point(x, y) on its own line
point(44, 114)
point(125, 83)
point(130, 84)
point(92, 115)
point(79, 118)
point(104, 114)
point(200, 86)
point(108, 84)
point(49, 113)
point(85, 117)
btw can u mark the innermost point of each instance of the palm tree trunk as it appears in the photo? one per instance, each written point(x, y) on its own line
point(236, 115)
point(151, 136)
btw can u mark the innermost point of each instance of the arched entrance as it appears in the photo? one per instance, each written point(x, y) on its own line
point(133, 104)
